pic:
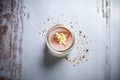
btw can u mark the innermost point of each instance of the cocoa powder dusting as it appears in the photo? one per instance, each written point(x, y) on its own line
point(66, 58)
point(87, 50)
point(48, 19)
point(84, 36)
point(71, 26)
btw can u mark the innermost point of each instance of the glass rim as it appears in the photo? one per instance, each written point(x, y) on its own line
point(63, 26)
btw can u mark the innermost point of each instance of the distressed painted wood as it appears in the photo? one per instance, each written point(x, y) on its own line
point(23, 52)
point(11, 30)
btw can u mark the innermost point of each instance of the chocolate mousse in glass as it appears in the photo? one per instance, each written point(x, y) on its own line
point(60, 40)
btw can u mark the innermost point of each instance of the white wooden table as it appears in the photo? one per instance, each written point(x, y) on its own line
point(23, 53)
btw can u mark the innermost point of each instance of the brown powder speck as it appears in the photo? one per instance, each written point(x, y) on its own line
point(84, 36)
point(66, 58)
point(48, 19)
point(87, 50)
point(83, 56)
point(74, 65)
point(71, 26)
point(86, 60)
point(80, 32)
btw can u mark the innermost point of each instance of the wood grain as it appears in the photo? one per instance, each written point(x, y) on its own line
point(11, 30)
point(106, 4)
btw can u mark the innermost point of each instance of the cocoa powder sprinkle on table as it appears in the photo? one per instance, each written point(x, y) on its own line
point(48, 19)
point(71, 26)
point(87, 50)
point(83, 56)
point(84, 36)
point(80, 32)
point(66, 58)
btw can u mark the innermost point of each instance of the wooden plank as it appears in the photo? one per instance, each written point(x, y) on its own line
point(106, 9)
point(11, 30)
point(115, 40)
